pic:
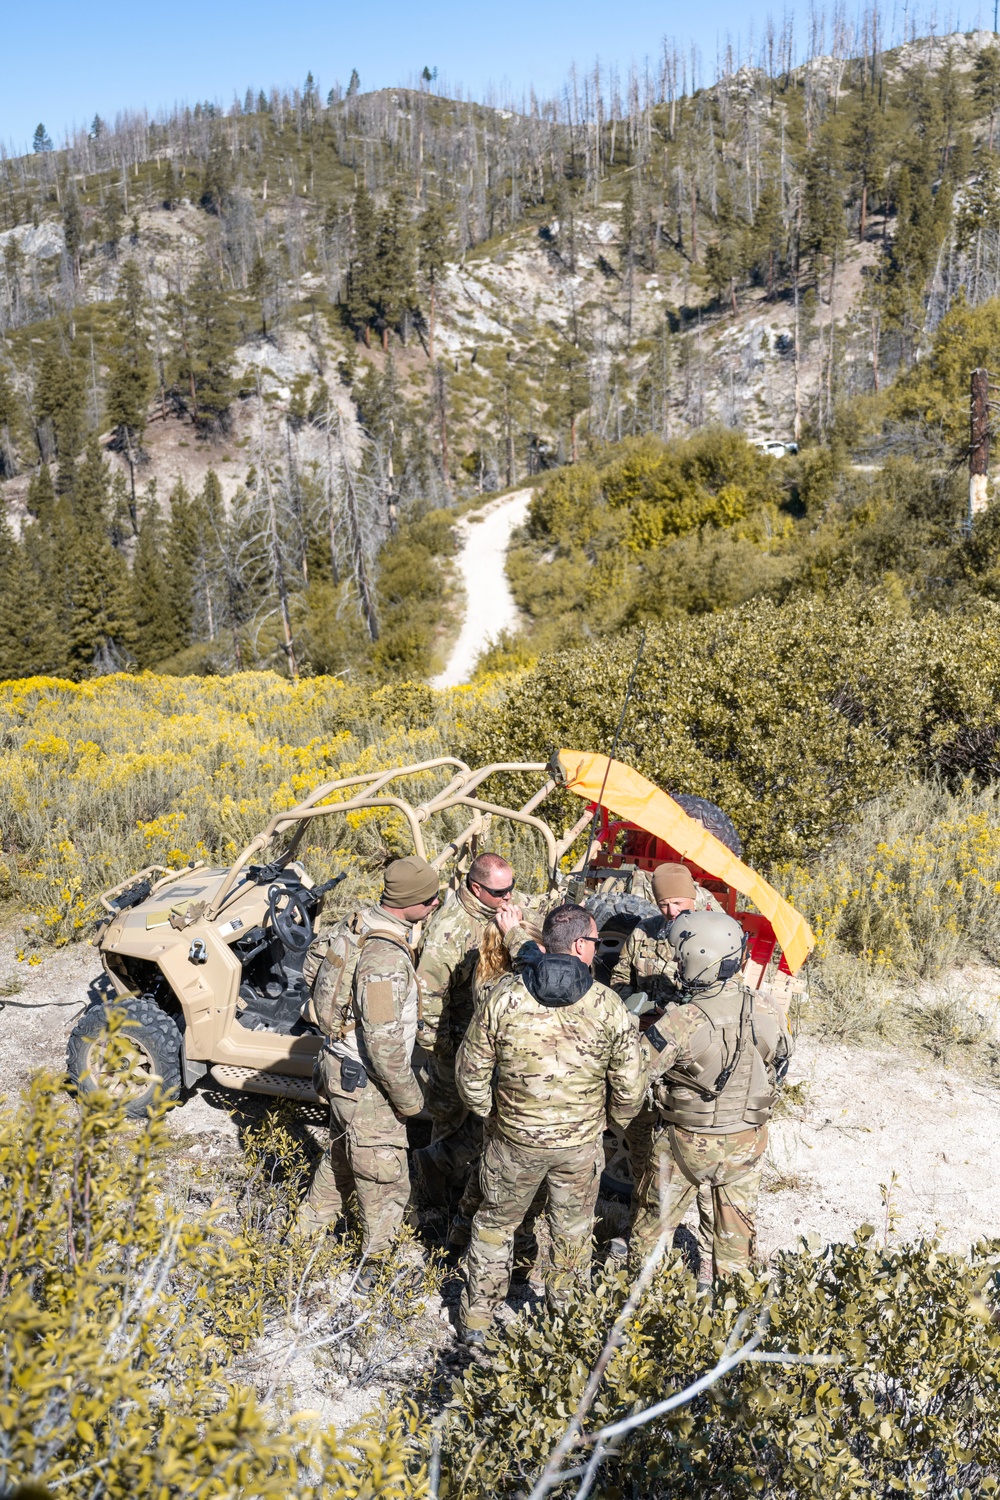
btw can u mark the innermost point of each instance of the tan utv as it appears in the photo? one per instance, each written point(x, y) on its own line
point(206, 965)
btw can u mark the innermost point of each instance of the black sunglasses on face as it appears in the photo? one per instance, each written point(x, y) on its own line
point(487, 890)
point(588, 940)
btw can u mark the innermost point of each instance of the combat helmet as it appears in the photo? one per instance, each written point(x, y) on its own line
point(710, 948)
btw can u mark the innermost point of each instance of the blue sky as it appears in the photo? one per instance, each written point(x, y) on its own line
point(65, 61)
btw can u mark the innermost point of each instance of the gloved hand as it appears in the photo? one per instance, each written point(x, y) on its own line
point(639, 1003)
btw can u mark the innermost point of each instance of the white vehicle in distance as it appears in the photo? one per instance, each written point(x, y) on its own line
point(775, 449)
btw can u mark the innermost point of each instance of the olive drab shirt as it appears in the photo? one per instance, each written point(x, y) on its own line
point(553, 1065)
point(447, 964)
point(647, 961)
point(384, 1011)
point(690, 1048)
point(448, 957)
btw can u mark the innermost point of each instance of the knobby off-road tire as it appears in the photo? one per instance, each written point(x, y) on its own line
point(138, 1063)
point(615, 915)
point(712, 818)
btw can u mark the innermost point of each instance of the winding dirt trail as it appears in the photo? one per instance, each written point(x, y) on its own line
point(489, 605)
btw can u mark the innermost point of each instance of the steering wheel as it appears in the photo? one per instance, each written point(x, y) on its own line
point(290, 918)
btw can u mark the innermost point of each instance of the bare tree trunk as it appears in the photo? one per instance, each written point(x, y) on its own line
point(442, 405)
point(279, 577)
point(694, 220)
point(797, 417)
point(430, 325)
point(833, 326)
point(365, 590)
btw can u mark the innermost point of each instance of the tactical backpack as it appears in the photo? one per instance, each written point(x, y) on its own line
point(329, 970)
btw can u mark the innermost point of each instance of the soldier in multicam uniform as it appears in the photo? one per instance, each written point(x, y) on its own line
point(445, 971)
point(646, 978)
point(366, 1000)
point(715, 1061)
point(544, 1049)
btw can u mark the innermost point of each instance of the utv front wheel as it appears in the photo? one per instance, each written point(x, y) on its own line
point(132, 1062)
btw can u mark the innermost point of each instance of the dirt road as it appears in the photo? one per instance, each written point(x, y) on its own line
point(489, 606)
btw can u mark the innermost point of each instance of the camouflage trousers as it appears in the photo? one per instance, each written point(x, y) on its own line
point(456, 1138)
point(366, 1159)
point(525, 1243)
point(729, 1165)
point(639, 1144)
point(510, 1176)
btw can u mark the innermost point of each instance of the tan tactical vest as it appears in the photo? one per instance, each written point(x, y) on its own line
point(729, 1083)
point(331, 1005)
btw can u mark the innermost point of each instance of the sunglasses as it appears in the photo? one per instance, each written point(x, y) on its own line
point(489, 891)
point(588, 940)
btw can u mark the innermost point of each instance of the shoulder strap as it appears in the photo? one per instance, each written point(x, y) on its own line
point(386, 936)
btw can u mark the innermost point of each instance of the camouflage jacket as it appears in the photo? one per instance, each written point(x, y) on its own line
point(647, 962)
point(386, 1008)
point(448, 957)
point(552, 1065)
point(694, 1045)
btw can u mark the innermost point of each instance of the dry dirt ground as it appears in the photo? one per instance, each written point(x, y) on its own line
point(867, 1113)
point(869, 1124)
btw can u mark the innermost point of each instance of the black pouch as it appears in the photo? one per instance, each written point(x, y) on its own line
point(352, 1075)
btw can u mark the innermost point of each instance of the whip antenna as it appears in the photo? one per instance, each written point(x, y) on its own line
point(614, 747)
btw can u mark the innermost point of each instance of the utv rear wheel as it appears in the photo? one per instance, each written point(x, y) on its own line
point(134, 1063)
point(615, 917)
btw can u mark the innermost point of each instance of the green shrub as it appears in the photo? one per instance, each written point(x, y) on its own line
point(790, 717)
point(913, 1406)
point(122, 1314)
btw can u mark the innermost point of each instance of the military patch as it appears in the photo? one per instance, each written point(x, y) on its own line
point(379, 1002)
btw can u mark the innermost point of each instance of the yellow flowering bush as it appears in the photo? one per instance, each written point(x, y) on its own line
point(101, 778)
point(124, 1315)
point(914, 886)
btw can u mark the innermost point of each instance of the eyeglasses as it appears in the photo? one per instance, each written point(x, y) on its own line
point(589, 940)
point(488, 890)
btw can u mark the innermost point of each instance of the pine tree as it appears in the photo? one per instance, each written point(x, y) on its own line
point(354, 85)
point(30, 642)
point(156, 635)
point(207, 326)
point(114, 219)
point(73, 230)
point(102, 630)
point(432, 247)
point(362, 278)
point(41, 498)
point(986, 85)
point(130, 370)
point(865, 154)
point(185, 543)
point(8, 414)
point(168, 193)
point(215, 186)
point(41, 141)
point(395, 272)
point(60, 402)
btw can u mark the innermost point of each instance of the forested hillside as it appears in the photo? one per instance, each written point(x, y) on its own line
point(252, 357)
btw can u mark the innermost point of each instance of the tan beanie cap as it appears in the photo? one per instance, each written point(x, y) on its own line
point(673, 882)
point(409, 881)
